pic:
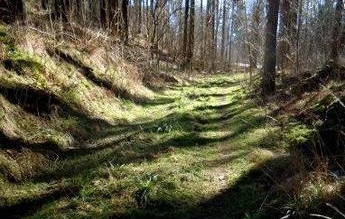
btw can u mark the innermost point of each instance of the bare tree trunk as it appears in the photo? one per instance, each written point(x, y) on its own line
point(255, 41)
point(213, 34)
point(224, 33)
point(60, 10)
point(231, 26)
point(298, 31)
point(191, 34)
point(284, 46)
point(337, 29)
point(153, 38)
point(269, 71)
point(103, 14)
point(185, 33)
point(210, 19)
point(138, 17)
point(113, 12)
point(80, 11)
point(124, 22)
point(203, 35)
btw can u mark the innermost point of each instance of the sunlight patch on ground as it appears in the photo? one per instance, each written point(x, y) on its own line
point(215, 134)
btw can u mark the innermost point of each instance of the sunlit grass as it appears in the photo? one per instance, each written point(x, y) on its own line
point(209, 141)
point(182, 149)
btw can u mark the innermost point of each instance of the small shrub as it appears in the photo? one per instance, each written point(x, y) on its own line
point(299, 134)
point(145, 189)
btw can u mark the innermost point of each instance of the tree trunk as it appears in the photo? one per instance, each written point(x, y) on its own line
point(213, 32)
point(103, 14)
point(255, 41)
point(138, 16)
point(191, 35)
point(185, 34)
point(269, 71)
point(202, 34)
point(231, 27)
point(224, 34)
point(153, 46)
point(216, 27)
point(113, 12)
point(124, 21)
point(80, 11)
point(60, 10)
point(337, 29)
point(284, 47)
point(210, 19)
point(298, 31)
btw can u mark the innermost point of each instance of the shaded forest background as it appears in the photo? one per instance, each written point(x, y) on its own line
point(206, 35)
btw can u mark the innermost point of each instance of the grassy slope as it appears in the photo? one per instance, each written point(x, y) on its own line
point(50, 95)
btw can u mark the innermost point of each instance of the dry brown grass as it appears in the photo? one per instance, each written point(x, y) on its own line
point(17, 166)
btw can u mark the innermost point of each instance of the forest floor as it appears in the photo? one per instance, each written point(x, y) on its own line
point(202, 150)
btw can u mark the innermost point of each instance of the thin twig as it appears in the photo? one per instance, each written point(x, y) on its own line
point(286, 216)
point(319, 216)
point(336, 209)
point(262, 204)
point(270, 117)
point(40, 31)
point(340, 196)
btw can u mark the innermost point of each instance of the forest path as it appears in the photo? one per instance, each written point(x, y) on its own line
point(181, 154)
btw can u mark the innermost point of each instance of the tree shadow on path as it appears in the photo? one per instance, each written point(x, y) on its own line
point(256, 194)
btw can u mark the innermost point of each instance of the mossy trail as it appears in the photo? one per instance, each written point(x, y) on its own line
point(196, 151)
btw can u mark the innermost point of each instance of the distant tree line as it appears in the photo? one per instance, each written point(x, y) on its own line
point(209, 35)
